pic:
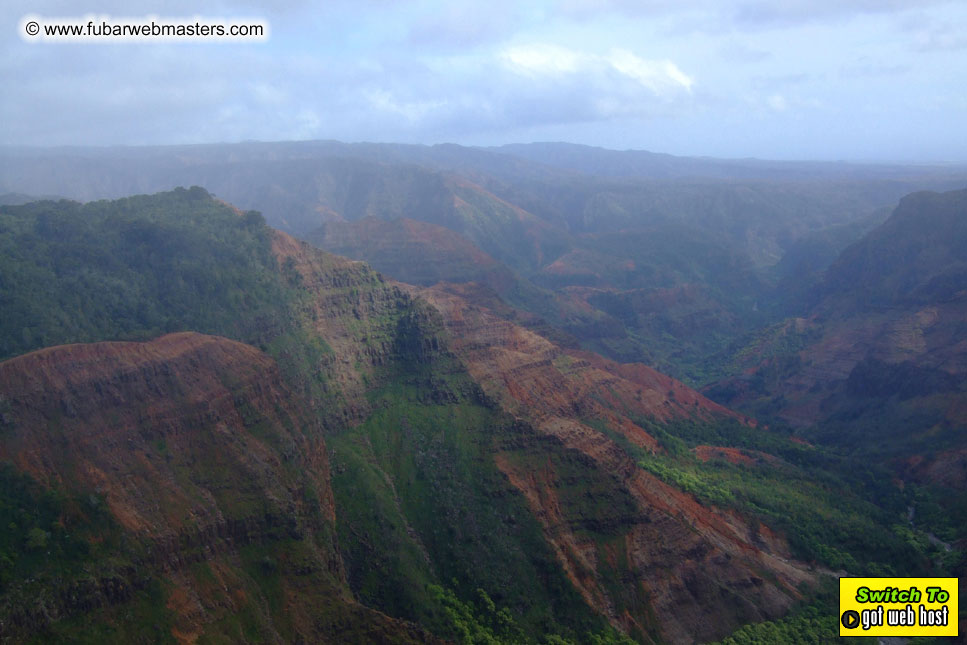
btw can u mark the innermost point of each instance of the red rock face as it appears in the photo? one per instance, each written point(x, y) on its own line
point(395, 244)
point(123, 418)
point(701, 571)
point(196, 440)
point(200, 452)
point(351, 310)
point(926, 337)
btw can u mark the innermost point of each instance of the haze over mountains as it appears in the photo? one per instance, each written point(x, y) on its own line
point(498, 435)
point(630, 243)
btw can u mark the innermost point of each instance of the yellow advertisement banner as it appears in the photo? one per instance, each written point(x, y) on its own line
point(898, 606)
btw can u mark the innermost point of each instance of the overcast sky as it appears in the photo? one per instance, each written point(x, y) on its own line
point(778, 79)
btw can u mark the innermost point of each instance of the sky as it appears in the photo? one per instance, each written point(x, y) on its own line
point(857, 80)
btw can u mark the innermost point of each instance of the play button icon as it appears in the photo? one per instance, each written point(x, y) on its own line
point(850, 619)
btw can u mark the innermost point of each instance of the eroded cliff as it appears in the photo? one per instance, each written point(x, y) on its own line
point(698, 570)
point(216, 480)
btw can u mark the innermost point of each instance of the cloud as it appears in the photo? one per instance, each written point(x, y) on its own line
point(778, 103)
point(724, 15)
point(662, 78)
point(629, 72)
point(783, 80)
point(795, 12)
point(518, 87)
point(414, 111)
point(866, 67)
point(584, 9)
point(543, 60)
point(943, 37)
point(739, 51)
point(461, 26)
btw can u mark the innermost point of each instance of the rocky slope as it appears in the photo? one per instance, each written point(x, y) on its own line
point(412, 251)
point(616, 550)
point(214, 473)
point(698, 569)
point(354, 349)
point(428, 455)
point(880, 358)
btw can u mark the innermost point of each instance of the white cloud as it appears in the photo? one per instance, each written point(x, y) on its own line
point(267, 94)
point(662, 78)
point(542, 60)
point(412, 110)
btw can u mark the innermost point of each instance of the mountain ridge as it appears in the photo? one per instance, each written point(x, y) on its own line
point(471, 447)
point(180, 478)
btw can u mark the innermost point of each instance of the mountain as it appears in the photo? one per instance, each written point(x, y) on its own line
point(144, 480)
point(914, 258)
point(602, 162)
point(614, 411)
point(395, 244)
point(640, 256)
point(590, 407)
point(886, 323)
point(877, 364)
point(286, 445)
point(348, 346)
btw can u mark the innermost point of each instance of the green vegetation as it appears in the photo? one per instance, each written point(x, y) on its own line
point(54, 540)
point(48, 533)
point(814, 624)
point(415, 484)
point(422, 504)
point(480, 622)
point(916, 257)
point(471, 625)
point(832, 513)
point(133, 269)
point(428, 526)
point(143, 618)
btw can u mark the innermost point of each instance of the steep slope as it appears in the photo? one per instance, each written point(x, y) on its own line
point(916, 257)
point(885, 341)
point(483, 477)
point(416, 252)
point(629, 225)
point(412, 251)
point(212, 476)
point(732, 571)
point(420, 452)
point(877, 368)
point(745, 488)
point(372, 367)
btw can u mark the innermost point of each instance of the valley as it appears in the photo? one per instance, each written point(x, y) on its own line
point(531, 394)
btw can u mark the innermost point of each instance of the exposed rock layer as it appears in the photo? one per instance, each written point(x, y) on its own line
point(702, 571)
point(206, 458)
